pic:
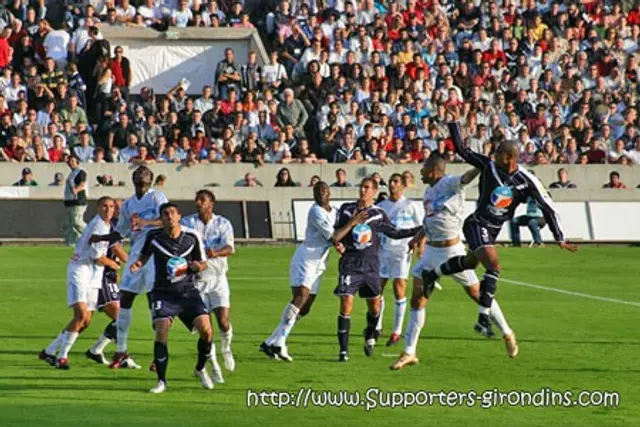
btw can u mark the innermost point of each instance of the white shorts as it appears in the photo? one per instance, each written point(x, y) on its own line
point(141, 281)
point(215, 292)
point(394, 266)
point(307, 274)
point(433, 257)
point(83, 285)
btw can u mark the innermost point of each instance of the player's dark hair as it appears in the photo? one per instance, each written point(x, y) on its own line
point(103, 199)
point(434, 162)
point(168, 205)
point(373, 182)
point(208, 194)
point(141, 173)
point(403, 180)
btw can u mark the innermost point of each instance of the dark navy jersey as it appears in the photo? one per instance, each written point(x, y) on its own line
point(501, 193)
point(363, 240)
point(171, 258)
point(109, 273)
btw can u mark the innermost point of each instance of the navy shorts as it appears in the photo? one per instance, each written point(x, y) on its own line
point(108, 293)
point(358, 275)
point(479, 235)
point(186, 305)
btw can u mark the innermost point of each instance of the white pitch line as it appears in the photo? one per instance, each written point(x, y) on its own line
point(572, 293)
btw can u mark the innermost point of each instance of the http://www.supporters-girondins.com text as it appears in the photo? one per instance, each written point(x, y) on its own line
point(375, 398)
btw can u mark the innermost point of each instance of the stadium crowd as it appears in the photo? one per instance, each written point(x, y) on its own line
point(346, 82)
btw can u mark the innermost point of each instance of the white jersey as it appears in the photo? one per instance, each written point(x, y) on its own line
point(402, 213)
point(86, 252)
point(216, 234)
point(444, 209)
point(147, 208)
point(317, 237)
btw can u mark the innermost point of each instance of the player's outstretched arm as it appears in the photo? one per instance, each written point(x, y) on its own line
point(107, 262)
point(342, 232)
point(196, 266)
point(136, 266)
point(417, 239)
point(469, 176)
point(224, 252)
point(120, 252)
point(469, 156)
point(111, 238)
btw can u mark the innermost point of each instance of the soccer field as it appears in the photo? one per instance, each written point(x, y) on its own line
point(582, 339)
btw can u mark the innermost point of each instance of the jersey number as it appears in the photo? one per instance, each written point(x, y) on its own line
point(157, 306)
point(345, 280)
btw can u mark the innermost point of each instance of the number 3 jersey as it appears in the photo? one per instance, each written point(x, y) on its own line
point(403, 214)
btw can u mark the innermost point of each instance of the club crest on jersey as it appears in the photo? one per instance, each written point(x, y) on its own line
point(176, 268)
point(362, 235)
point(502, 197)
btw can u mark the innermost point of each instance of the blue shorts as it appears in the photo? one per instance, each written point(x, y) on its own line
point(479, 235)
point(358, 275)
point(186, 305)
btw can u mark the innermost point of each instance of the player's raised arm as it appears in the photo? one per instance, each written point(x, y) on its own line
point(469, 156)
point(541, 196)
point(468, 176)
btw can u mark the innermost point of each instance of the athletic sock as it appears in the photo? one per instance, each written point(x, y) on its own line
point(499, 319)
point(204, 350)
point(379, 325)
point(103, 340)
point(161, 359)
point(286, 324)
point(372, 322)
point(225, 339)
point(212, 356)
point(451, 266)
point(68, 339)
point(55, 344)
point(122, 326)
point(416, 323)
point(398, 315)
point(344, 325)
point(488, 290)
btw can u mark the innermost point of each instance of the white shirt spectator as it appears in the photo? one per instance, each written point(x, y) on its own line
point(127, 153)
point(80, 39)
point(272, 73)
point(271, 156)
point(129, 12)
point(203, 105)
point(182, 17)
point(11, 93)
point(55, 44)
point(85, 154)
point(149, 13)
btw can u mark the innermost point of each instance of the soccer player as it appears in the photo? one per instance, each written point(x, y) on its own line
point(357, 227)
point(395, 260)
point(216, 233)
point(444, 207)
point(503, 186)
point(139, 214)
point(178, 256)
point(109, 295)
point(305, 271)
point(84, 279)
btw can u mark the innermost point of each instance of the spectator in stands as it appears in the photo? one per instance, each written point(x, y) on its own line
point(58, 180)
point(249, 181)
point(341, 179)
point(227, 74)
point(292, 112)
point(83, 151)
point(283, 179)
point(314, 180)
point(563, 180)
point(614, 181)
point(121, 71)
point(26, 180)
point(161, 181)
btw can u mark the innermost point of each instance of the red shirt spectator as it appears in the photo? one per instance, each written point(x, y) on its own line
point(417, 64)
point(5, 53)
point(118, 73)
point(493, 54)
point(634, 17)
point(56, 154)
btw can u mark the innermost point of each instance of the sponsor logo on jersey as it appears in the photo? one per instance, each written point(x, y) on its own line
point(362, 235)
point(176, 268)
point(502, 197)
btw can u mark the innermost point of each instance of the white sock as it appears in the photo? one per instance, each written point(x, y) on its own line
point(416, 322)
point(53, 347)
point(212, 356)
point(379, 326)
point(68, 339)
point(398, 315)
point(225, 339)
point(483, 310)
point(498, 318)
point(100, 344)
point(286, 324)
point(122, 327)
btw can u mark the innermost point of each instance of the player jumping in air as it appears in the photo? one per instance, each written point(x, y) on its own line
point(443, 206)
point(503, 186)
point(109, 295)
point(395, 260)
point(178, 256)
point(216, 233)
point(305, 271)
point(357, 227)
point(84, 280)
point(138, 215)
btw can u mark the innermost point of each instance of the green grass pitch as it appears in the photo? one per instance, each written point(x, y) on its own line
point(568, 342)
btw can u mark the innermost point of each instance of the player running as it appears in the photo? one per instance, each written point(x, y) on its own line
point(305, 271)
point(503, 186)
point(395, 260)
point(216, 233)
point(84, 279)
point(357, 227)
point(178, 256)
point(139, 214)
point(444, 207)
point(109, 295)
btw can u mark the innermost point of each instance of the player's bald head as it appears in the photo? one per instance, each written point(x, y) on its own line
point(436, 163)
point(508, 148)
point(506, 157)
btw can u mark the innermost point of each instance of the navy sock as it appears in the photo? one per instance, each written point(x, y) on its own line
point(344, 325)
point(110, 331)
point(488, 288)
point(161, 359)
point(452, 266)
point(372, 323)
point(204, 350)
